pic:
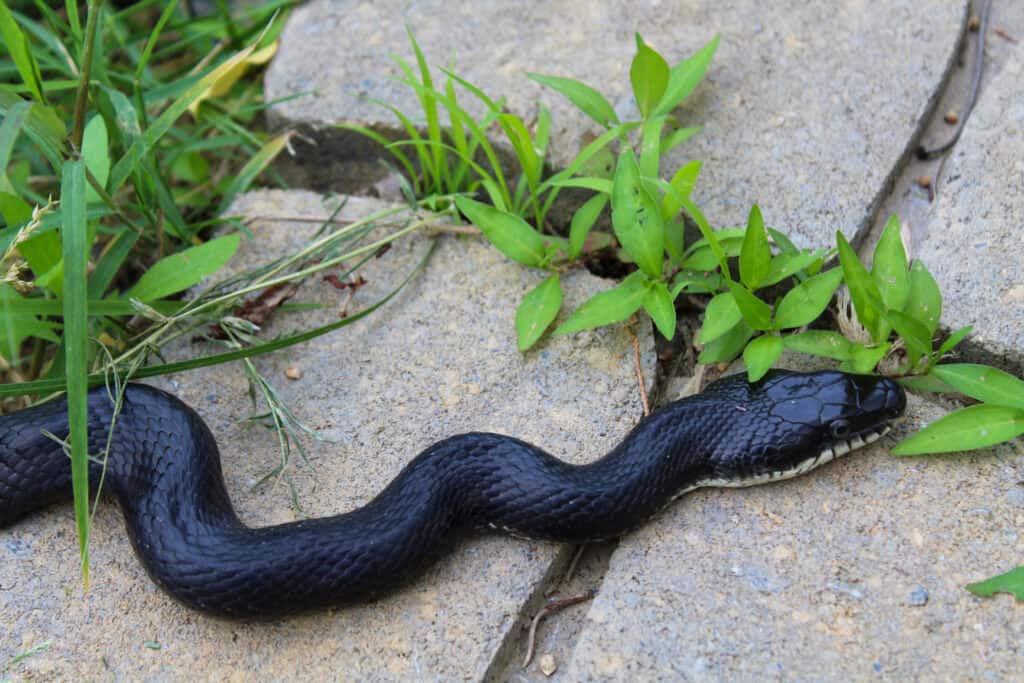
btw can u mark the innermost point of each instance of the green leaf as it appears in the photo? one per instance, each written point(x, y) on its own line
point(991, 385)
point(755, 255)
point(636, 217)
point(16, 325)
point(925, 383)
point(924, 300)
point(612, 306)
point(951, 341)
point(863, 290)
point(760, 354)
point(677, 137)
point(531, 163)
point(21, 54)
point(658, 304)
point(757, 313)
point(863, 359)
point(729, 345)
point(74, 236)
point(14, 210)
point(650, 146)
point(820, 343)
point(720, 316)
point(10, 129)
point(95, 152)
point(509, 233)
point(589, 101)
point(602, 185)
point(889, 266)
point(582, 221)
point(180, 271)
point(914, 333)
point(1011, 582)
point(787, 264)
point(805, 302)
point(964, 430)
point(683, 182)
point(684, 77)
point(648, 74)
point(537, 310)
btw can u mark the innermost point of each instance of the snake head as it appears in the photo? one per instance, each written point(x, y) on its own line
point(798, 421)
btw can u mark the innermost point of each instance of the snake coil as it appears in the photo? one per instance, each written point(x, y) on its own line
point(164, 469)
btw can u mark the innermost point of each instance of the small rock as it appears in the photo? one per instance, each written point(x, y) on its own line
point(548, 665)
point(925, 181)
point(951, 117)
point(293, 373)
point(918, 597)
point(974, 23)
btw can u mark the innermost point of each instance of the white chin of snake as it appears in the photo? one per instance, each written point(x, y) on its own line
point(836, 450)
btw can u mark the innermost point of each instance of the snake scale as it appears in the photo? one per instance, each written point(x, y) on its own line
point(164, 470)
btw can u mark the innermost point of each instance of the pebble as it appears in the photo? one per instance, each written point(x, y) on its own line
point(918, 597)
point(548, 665)
point(293, 373)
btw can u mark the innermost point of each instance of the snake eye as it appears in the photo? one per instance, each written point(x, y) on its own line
point(840, 429)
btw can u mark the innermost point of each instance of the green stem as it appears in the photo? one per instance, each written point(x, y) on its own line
point(82, 94)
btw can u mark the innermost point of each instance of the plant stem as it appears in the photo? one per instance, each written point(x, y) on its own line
point(82, 94)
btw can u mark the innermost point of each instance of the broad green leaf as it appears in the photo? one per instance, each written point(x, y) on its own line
point(658, 304)
point(684, 77)
point(720, 316)
point(589, 101)
point(695, 283)
point(1011, 582)
point(531, 163)
point(988, 384)
point(14, 210)
point(805, 302)
point(926, 383)
point(42, 251)
point(21, 54)
point(74, 236)
point(42, 125)
point(913, 332)
point(612, 306)
point(924, 300)
point(820, 343)
point(582, 221)
point(755, 254)
point(728, 346)
point(509, 233)
point(682, 183)
point(602, 185)
point(863, 290)
point(648, 74)
point(757, 313)
point(180, 271)
point(863, 359)
point(760, 354)
point(787, 264)
point(636, 217)
point(964, 430)
point(889, 266)
point(96, 153)
point(16, 325)
point(951, 341)
point(537, 310)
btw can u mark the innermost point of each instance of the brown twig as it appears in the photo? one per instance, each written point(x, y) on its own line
point(550, 608)
point(640, 373)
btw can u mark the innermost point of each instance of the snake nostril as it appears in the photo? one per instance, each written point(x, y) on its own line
point(840, 429)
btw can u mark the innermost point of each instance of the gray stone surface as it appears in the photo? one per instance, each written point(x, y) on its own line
point(807, 108)
point(973, 241)
point(853, 572)
point(438, 360)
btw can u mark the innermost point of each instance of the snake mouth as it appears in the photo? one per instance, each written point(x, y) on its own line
point(836, 448)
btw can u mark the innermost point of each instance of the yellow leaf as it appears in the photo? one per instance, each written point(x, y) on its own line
point(224, 81)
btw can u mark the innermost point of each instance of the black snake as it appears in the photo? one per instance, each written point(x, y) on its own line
point(164, 469)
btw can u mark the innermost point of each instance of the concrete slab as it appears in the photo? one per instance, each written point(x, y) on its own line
point(440, 359)
point(973, 240)
point(854, 572)
point(807, 109)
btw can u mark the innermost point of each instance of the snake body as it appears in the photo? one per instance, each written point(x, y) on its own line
point(163, 467)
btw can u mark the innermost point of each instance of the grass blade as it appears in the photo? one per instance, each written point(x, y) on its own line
point(76, 338)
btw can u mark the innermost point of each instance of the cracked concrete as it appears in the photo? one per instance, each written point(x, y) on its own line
point(852, 573)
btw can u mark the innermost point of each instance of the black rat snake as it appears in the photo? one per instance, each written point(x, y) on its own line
point(164, 469)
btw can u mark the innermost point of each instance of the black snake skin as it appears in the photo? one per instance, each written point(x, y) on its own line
point(164, 470)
